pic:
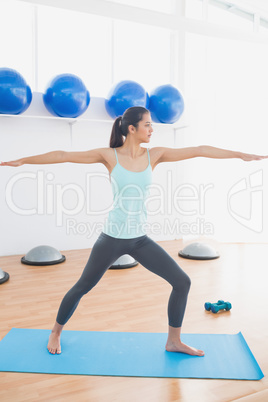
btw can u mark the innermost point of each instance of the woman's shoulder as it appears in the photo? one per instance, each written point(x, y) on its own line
point(106, 151)
point(108, 155)
point(155, 155)
point(156, 151)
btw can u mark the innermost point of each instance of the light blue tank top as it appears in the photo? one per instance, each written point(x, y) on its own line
point(128, 217)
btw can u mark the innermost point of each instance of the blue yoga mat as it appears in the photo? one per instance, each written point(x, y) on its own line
point(132, 354)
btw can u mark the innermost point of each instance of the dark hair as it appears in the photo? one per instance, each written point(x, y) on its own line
point(131, 117)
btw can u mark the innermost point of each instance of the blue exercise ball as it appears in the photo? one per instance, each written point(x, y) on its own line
point(166, 104)
point(123, 95)
point(15, 94)
point(66, 96)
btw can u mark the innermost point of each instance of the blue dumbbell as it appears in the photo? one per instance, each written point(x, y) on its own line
point(209, 305)
point(220, 305)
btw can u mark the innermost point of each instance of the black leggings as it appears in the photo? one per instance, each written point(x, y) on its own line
point(107, 250)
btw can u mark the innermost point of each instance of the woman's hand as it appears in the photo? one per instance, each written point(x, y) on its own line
point(251, 157)
point(12, 163)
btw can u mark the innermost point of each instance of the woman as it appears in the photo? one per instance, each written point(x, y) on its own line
point(130, 167)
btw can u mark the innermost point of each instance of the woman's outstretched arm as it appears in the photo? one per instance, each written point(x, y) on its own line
point(92, 156)
point(178, 154)
point(219, 153)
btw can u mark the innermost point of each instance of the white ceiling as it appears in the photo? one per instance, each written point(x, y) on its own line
point(258, 5)
point(254, 6)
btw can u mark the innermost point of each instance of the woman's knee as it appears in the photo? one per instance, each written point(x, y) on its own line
point(183, 283)
point(81, 288)
point(187, 282)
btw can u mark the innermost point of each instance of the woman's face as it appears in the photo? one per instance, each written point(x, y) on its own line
point(144, 129)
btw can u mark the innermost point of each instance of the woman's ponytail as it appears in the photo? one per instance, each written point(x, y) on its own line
point(132, 116)
point(116, 139)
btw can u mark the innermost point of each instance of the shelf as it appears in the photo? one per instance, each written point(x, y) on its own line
point(77, 119)
point(96, 112)
point(66, 119)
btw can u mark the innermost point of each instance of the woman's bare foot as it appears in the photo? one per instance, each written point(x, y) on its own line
point(53, 345)
point(174, 343)
point(182, 348)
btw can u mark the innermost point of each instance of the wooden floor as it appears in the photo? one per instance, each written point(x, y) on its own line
point(136, 300)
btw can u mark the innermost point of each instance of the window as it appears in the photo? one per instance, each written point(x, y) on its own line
point(194, 9)
point(230, 16)
point(263, 26)
point(226, 92)
point(142, 54)
point(16, 48)
point(76, 43)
